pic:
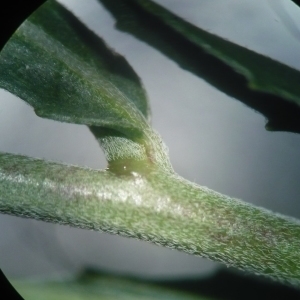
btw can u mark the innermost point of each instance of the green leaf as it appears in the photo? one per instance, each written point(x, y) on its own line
point(67, 73)
point(258, 81)
point(92, 285)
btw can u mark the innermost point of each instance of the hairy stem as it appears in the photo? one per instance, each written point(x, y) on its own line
point(159, 207)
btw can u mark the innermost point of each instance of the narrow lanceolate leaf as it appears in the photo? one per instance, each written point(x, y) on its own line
point(258, 81)
point(156, 206)
point(67, 73)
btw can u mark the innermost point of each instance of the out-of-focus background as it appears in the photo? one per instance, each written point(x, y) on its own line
point(214, 140)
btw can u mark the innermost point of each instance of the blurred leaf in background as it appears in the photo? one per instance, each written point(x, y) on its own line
point(261, 83)
point(92, 284)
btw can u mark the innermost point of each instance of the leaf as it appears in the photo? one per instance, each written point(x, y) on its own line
point(101, 285)
point(92, 285)
point(67, 73)
point(254, 79)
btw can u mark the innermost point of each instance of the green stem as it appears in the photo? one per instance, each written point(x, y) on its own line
point(160, 207)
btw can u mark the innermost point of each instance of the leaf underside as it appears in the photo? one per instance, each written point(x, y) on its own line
point(67, 73)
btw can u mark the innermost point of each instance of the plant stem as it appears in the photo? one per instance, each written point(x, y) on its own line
point(159, 207)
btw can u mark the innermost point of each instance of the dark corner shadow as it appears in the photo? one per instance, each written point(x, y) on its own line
point(7, 291)
point(229, 285)
point(13, 14)
point(296, 2)
point(281, 114)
